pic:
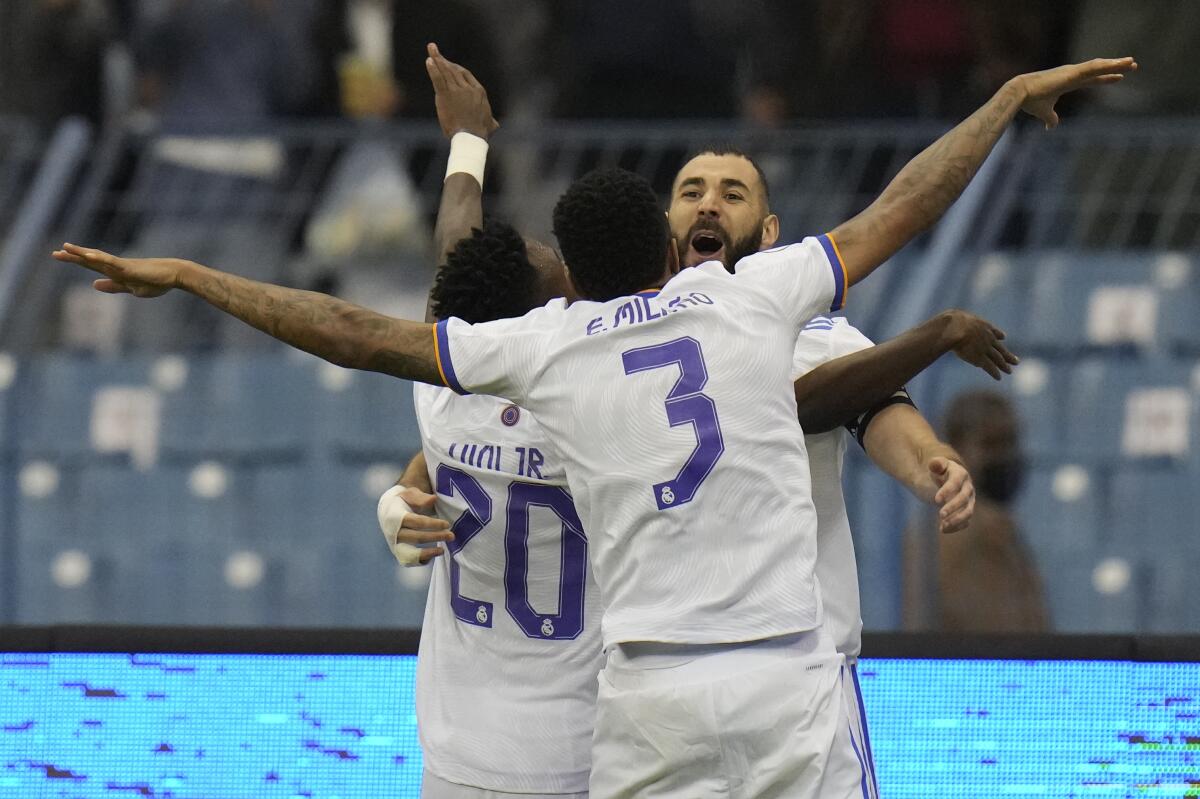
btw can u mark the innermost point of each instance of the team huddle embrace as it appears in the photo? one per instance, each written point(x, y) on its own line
point(629, 489)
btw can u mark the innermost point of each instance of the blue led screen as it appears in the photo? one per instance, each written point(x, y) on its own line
point(342, 727)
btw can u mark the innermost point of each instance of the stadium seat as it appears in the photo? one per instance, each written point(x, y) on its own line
point(1155, 508)
point(1170, 596)
point(247, 407)
point(11, 371)
point(317, 522)
point(55, 401)
point(362, 416)
point(999, 292)
point(1060, 510)
point(1071, 581)
point(1097, 300)
point(1130, 408)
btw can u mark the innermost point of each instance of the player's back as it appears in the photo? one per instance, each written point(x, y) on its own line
point(677, 418)
point(510, 646)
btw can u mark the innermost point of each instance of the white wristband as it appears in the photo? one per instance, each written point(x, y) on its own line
point(391, 512)
point(468, 153)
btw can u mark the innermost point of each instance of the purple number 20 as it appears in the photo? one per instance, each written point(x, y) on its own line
point(685, 405)
point(567, 623)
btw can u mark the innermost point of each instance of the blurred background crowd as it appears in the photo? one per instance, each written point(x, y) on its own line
point(162, 463)
point(764, 62)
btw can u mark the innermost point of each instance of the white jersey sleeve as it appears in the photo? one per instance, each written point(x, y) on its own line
point(803, 279)
point(499, 358)
point(824, 339)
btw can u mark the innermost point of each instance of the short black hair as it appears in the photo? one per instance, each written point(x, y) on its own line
point(611, 212)
point(723, 148)
point(487, 276)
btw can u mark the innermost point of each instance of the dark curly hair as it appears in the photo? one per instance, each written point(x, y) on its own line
point(487, 276)
point(612, 233)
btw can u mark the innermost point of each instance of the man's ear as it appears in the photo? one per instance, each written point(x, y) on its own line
point(770, 232)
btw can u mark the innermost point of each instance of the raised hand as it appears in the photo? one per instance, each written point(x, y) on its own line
point(955, 495)
point(977, 341)
point(462, 102)
point(1042, 89)
point(141, 277)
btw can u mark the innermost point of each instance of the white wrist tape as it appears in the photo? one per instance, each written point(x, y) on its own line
point(468, 153)
point(391, 512)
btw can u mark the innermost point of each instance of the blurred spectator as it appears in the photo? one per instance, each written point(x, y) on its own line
point(51, 58)
point(210, 64)
point(1163, 35)
point(982, 579)
point(372, 54)
point(643, 60)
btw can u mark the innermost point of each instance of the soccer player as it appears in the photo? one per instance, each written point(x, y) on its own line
point(466, 691)
point(720, 210)
point(510, 643)
point(669, 398)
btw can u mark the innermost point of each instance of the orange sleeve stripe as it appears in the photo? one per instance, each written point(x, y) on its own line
point(437, 356)
point(842, 264)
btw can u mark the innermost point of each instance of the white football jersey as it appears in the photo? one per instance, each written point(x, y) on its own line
point(823, 340)
point(675, 414)
point(510, 644)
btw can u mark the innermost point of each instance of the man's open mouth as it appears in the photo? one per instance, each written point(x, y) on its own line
point(707, 246)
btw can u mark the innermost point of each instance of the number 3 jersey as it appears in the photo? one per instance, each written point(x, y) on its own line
point(510, 645)
point(675, 412)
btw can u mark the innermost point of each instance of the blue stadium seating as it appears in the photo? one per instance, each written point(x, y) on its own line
point(336, 568)
point(54, 402)
point(370, 418)
point(1061, 509)
point(1076, 605)
point(1180, 320)
point(1157, 509)
point(1063, 284)
point(249, 407)
point(8, 420)
point(999, 292)
point(1096, 400)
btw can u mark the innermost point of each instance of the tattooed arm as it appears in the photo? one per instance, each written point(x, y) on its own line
point(930, 183)
point(329, 328)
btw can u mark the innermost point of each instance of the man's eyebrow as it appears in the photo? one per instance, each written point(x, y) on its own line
point(735, 183)
point(692, 181)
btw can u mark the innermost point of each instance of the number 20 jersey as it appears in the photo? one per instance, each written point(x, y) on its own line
point(510, 644)
point(676, 414)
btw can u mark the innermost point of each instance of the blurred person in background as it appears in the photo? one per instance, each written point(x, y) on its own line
point(370, 54)
point(212, 64)
point(982, 579)
point(1168, 31)
point(52, 58)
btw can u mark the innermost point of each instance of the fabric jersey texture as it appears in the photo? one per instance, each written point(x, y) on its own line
point(675, 415)
point(510, 644)
point(823, 340)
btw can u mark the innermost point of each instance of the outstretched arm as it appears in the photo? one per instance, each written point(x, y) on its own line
point(462, 107)
point(903, 445)
point(930, 183)
point(340, 332)
point(838, 392)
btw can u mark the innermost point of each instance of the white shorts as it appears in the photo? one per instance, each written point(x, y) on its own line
point(764, 719)
point(434, 787)
point(858, 731)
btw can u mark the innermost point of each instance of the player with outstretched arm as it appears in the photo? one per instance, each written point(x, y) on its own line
point(669, 397)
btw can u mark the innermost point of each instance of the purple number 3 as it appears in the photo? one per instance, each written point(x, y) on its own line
point(685, 405)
